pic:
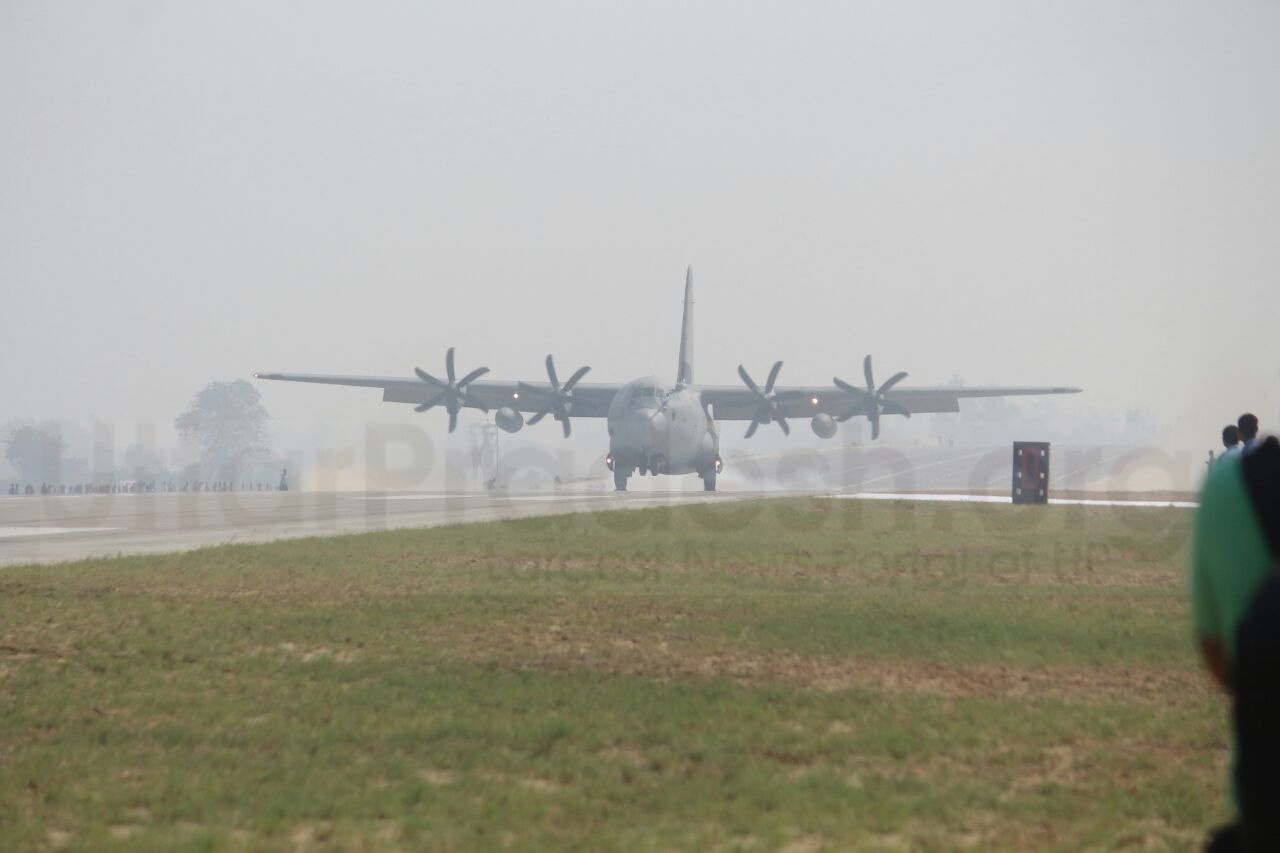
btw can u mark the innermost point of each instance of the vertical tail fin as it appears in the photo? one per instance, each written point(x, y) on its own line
point(684, 372)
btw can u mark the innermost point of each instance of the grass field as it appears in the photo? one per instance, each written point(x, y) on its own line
point(796, 674)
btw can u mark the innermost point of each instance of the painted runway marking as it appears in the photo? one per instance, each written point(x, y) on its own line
point(14, 532)
point(408, 497)
point(494, 498)
point(999, 499)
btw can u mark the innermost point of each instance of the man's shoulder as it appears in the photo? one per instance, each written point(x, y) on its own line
point(1260, 473)
point(1229, 553)
point(1224, 481)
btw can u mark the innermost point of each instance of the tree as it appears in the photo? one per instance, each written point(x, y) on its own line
point(35, 453)
point(227, 421)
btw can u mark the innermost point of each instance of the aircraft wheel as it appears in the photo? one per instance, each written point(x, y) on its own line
point(709, 481)
point(619, 479)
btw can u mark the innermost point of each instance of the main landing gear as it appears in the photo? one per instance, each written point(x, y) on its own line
point(620, 475)
point(709, 474)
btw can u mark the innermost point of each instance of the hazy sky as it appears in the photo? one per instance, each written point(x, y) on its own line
point(1017, 193)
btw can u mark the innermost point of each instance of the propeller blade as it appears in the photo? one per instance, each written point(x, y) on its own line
point(451, 393)
point(767, 410)
point(467, 401)
point(427, 405)
point(890, 407)
point(573, 380)
point(893, 380)
point(427, 377)
point(866, 370)
point(472, 376)
point(856, 410)
point(557, 396)
point(773, 377)
point(875, 428)
point(551, 372)
point(846, 387)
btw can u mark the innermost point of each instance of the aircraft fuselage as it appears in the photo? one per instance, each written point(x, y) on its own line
point(657, 429)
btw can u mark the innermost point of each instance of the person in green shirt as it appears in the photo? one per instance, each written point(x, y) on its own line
point(1235, 611)
point(1229, 557)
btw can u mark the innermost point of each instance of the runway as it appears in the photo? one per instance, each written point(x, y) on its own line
point(58, 529)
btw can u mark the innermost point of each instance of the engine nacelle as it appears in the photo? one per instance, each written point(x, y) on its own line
point(508, 419)
point(824, 426)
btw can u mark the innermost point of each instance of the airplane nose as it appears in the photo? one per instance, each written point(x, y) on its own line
point(658, 431)
point(645, 431)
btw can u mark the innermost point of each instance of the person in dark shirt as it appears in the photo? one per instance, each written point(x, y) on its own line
point(1248, 428)
point(1230, 440)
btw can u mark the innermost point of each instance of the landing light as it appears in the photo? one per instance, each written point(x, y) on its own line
point(813, 400)
point(515, 395)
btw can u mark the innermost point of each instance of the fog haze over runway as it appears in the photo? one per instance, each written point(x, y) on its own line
point(1082, 194)
point(60, 528)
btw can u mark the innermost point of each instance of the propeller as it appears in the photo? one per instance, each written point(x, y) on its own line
point(767, 400)
point(871, 400)
point(453, 394)
point(559, 398)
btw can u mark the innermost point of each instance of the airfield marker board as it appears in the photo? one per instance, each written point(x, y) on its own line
point(1030, 472)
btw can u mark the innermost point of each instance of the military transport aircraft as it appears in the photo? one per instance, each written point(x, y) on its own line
point(656, 428)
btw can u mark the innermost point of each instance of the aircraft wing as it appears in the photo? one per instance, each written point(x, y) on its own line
point(738, 403)
point(590, 399)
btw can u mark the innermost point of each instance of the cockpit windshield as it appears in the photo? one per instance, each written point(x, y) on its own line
point(642, 395)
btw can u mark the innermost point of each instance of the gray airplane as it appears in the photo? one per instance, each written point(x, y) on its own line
point(656, 428)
